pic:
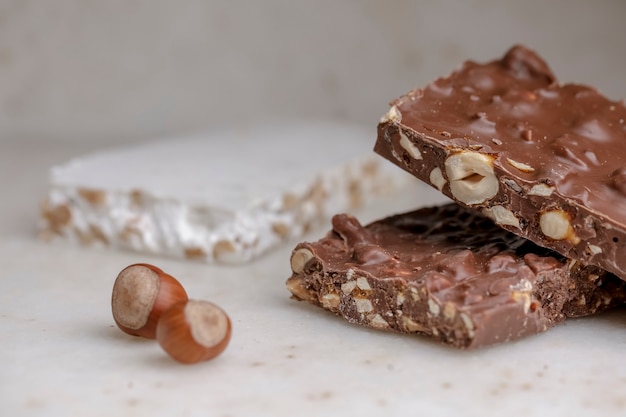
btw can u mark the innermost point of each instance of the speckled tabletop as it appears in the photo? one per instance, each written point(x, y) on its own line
point(61, 354)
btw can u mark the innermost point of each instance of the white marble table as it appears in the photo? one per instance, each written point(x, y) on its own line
point(60, 354)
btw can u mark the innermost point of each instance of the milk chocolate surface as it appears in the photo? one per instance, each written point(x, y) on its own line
point(447, 272)
point(544, 160)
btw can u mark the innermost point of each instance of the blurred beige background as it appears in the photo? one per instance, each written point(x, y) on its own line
point(87, 70)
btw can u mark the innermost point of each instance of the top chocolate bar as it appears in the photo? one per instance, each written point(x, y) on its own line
point(544, 160)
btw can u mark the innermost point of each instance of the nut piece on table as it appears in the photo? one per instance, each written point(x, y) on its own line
point(194, 331)
point(141, 294)
point(471, 176)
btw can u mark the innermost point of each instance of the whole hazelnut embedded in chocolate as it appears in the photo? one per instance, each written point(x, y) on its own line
point(472, 178)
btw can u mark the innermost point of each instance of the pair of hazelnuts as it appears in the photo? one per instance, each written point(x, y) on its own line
point(150, 303)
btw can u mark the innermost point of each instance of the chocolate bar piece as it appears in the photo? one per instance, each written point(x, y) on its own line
point(447, 272)
point(544, 160)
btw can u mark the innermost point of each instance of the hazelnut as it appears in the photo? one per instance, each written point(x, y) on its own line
point(193, 331)
point(433, 307)
point(411, 325)
point(363, 284)
point(330, 301)
point(348, 287)
point(594, 249)
point(141, 294)
point(472, 178)
point(555, 224)
point(468, 323)
point(501, 216)
point(363, 305)
point(299, 259)
point(410, 147)
point(298, 289)
point(543, 190)
point(377, 321)
point(437, 179)
point(392, 115)
point(520, 165)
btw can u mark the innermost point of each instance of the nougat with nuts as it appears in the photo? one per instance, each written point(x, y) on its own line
point(542, 159)
point(447, 272)
point(225, 196)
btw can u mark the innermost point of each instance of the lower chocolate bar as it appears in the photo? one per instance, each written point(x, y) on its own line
point(449, 273)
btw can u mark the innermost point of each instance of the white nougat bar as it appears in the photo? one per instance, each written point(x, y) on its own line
point(224, 197)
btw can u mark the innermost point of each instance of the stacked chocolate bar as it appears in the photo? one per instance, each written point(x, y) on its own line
point(537, 227)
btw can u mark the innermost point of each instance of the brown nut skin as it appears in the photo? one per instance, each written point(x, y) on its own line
point(194, 331)
point(141, 293)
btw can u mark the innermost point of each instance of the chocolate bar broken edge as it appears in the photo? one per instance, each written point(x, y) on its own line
point(335, 273)
point(521, 201)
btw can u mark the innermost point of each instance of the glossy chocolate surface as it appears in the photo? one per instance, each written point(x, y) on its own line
point(567, 138)
point(447, 272)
